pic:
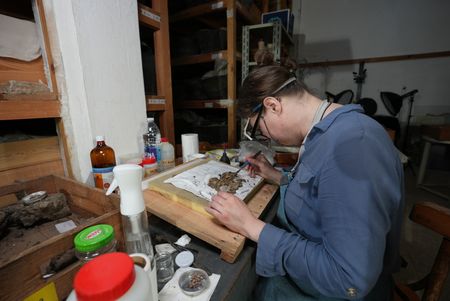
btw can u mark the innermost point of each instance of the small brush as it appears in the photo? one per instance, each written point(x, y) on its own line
point(247, 163)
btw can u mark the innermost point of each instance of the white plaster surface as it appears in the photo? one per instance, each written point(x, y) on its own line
point(99, 74)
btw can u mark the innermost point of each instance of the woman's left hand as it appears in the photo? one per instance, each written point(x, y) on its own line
point(235, 215)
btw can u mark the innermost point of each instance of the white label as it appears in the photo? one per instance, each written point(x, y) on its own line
point(156, 101)
point(150, 15)
point(209, 105)
point(65, 226)
point(217, 5)
point(230, 13)
point(217, 55)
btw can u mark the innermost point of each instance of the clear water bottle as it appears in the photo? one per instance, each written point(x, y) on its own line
point(152, 140)
point(167, 155)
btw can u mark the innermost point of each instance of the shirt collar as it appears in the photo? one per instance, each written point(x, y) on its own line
point(329, 119)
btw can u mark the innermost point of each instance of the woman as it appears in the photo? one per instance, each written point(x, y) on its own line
point(341, 206)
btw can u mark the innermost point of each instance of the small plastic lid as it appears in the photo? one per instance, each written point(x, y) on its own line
point(107, 277)
point(99, 138)
point(94, 238)
point(148, 160)
point(164, 139)
point(184, 259)
point(150, 119)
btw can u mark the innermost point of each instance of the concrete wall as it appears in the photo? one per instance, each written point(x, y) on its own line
point(98, 64)
point(354, 29)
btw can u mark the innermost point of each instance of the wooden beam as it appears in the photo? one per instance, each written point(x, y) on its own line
point(199, 58)
point(149, 17)
point(198, 10)
point(231, 71)
point(163, 70)
point(379, 59)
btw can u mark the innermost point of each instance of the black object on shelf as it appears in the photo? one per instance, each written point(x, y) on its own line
point(215, 87)
point(210, 40)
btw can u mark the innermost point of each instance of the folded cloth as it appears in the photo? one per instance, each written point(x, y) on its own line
point(172, 292)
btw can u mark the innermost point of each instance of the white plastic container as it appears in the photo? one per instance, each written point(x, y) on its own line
point(167, 155)
point(111, 276)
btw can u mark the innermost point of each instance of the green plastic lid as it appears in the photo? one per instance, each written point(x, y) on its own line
point(93, 238)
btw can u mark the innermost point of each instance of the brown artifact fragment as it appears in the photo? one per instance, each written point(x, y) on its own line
point(228, 179)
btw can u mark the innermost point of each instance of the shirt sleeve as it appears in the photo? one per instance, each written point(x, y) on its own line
point(356, 193)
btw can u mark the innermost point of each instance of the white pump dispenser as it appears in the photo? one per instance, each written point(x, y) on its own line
point(128, 177)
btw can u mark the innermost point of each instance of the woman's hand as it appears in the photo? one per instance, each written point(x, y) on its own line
point(235, 215)
point(260, 166)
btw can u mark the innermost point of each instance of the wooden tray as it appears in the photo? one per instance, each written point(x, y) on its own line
point(20, 276)
point(187, 213)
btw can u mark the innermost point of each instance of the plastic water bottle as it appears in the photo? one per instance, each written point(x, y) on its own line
point(167, 155)
point(152, 140)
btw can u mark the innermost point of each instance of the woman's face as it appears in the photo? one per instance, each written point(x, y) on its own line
point(273, 124)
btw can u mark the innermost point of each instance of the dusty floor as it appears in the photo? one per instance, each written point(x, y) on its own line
point(419, 245)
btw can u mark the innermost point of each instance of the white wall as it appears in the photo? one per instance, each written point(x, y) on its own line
point(354, 29)
point(99, 73)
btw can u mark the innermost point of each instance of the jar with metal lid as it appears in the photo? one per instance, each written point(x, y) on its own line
point(94, 241)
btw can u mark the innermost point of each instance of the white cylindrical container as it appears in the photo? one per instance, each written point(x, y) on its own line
point(189, 145)
point(167, 155)
point(149, 266)
point(112, 276)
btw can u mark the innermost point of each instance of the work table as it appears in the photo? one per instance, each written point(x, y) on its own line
point(237, 279)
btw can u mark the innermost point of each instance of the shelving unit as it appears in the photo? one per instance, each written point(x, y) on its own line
point(251, 34)
point(216, 14)
point(37, 112)
point(156, 18)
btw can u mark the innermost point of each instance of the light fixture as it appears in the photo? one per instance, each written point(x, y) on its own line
point(393, 103)
point(343, 98)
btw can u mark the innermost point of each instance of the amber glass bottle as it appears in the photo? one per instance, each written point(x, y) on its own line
point(103, 161)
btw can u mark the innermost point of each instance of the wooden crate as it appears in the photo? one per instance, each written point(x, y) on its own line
point(20, 276)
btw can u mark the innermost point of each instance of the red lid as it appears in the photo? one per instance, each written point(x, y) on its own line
point(148, 160)
point(106, 277)
point(164, 139)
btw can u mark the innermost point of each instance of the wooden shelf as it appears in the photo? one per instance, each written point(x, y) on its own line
point(29, 109)
point(204, 104)
point(212, 14)
point(149, 17)
point(251, 13)
point(157, 18)
point(203, 58)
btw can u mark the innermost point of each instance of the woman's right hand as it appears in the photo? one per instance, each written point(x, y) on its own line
point(261, 167)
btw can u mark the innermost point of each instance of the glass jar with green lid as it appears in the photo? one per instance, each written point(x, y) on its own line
point(94, 241)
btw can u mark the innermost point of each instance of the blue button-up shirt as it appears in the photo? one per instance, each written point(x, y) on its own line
point(345, 206)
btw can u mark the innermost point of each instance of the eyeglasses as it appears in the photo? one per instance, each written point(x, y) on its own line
point(254, 133)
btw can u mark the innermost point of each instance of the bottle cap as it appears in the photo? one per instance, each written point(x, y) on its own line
point(164, 139)
point(150, 119)
point(99, 138)
point(148, 160)
point(94, 238)
point(184, 259)
point(106, 277)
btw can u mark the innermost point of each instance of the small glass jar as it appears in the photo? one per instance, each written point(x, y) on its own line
point(94, 241)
